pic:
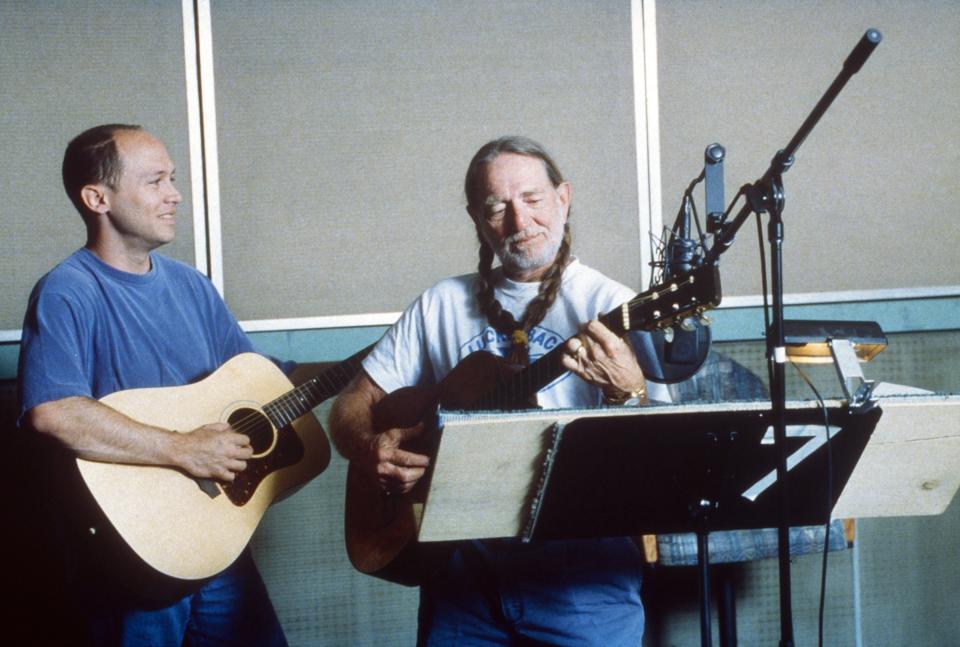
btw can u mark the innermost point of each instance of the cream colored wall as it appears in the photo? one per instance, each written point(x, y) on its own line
point(63, 70)
point(872, 198)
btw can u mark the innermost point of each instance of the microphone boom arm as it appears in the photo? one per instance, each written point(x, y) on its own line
point(767, 193)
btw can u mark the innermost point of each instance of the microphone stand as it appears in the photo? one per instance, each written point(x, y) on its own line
point(766, 196)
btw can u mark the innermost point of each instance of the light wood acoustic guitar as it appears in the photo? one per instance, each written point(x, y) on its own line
point(380, 529)
point(191, 529)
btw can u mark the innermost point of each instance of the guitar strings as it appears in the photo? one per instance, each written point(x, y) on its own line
point(526, 383)
point(287, 403)
point(292, 404)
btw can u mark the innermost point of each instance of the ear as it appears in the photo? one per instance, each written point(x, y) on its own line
point(94, 198)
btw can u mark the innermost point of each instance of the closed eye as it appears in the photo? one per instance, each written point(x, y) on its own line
point(533, 198)
point(495, 212)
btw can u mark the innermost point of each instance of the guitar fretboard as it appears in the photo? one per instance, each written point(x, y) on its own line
point(298, 401)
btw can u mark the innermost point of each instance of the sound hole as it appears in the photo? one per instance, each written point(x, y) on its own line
point(255, 426)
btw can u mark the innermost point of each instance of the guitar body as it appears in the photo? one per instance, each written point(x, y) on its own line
point(190, 528)
point(380, 529)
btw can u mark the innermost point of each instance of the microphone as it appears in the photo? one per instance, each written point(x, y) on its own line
point(684, 346)
point(681, 253)
point(682, 249)
point(686, 342)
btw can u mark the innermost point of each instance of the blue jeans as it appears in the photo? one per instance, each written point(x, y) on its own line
point(231, 610)
point(503, 592)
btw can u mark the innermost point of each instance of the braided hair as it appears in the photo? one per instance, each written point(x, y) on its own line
point(502, 320)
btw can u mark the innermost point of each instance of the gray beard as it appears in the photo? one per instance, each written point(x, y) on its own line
point(524, 262)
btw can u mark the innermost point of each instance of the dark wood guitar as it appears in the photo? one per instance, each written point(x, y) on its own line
point(381, 529)
point(188, 528)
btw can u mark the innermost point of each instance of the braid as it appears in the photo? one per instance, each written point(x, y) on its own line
point(499, 318)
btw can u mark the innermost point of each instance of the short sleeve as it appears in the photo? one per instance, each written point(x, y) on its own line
point(399, 359)
point(54, 362)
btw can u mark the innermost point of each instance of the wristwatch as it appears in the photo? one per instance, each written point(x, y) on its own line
point(634, 398)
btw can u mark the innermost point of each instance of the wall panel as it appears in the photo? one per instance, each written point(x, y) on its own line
point(345, 129)
point(871, 201)
point(64, 67)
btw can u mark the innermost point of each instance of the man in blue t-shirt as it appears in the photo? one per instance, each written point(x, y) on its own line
point(115, 316)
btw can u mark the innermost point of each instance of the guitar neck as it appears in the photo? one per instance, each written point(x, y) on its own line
point(521, 387)
point(296, 402)
point(658, 307)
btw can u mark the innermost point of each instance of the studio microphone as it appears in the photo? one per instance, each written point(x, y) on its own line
point(685, 344)
point(681, 248)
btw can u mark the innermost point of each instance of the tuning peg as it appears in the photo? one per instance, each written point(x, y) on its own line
point(689, 324)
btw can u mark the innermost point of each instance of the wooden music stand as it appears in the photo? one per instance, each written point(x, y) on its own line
point(694, 468)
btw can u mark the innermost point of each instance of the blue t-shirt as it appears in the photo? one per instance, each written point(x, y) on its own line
point(91, 329)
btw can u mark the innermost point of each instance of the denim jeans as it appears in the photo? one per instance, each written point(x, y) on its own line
point(231, 610)
point(503, 592)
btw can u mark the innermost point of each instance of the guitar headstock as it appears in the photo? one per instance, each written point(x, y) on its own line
point(686, 295)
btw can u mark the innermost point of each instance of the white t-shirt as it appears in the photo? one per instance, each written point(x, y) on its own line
point(445, 324)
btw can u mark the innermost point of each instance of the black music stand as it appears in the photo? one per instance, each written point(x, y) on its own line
point(696, 471)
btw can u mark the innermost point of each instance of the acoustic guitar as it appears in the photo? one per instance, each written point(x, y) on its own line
point(190, 529)
point(380, 529)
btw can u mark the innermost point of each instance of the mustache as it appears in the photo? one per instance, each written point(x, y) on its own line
point(523, 235)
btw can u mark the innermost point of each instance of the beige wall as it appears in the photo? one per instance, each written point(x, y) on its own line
point(344, 129)
point(871, 201)
point(64, 67)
